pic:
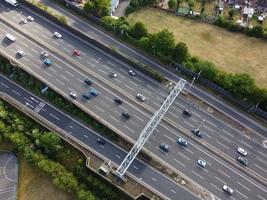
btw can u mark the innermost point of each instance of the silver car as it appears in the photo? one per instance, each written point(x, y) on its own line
point(242, 151)
point(140, 97)
point(228, 189)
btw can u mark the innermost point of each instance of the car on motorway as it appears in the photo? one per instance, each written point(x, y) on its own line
point(201, 163)
point(47, 62)
point(118, 100)
point(93, 92)
point(30, 18)
point(76, 52)
point(113, 75)
point(182, 142)
point(187, 112)
point(131, 72)
point(87, 82)
point(126, 115)
point(228, 189)
point(73, 95)
point(164, 147)
point(57, 35)
point(100, 141)
point(21, 53)
point(23, 21)
point(197, 132)
point(140, 97)
point(242, 151)
point(86, 96)
point(10, 37)
point(45, 54)
point(242, 160)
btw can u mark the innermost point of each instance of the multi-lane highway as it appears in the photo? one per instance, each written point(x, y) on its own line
point(159, 184)
point(108, 40)
point(67, 74)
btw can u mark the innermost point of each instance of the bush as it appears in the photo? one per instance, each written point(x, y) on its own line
point(138, 30)
point(256, 31)
point(180, 53)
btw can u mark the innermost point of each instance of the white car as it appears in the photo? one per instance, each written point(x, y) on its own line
point(45, 54)
point(57, 35)
point(30, 18)
point(131, 72)
point(21, 53)
point(113, 75)
point(242, 151)
point(228, 189)
point(201, 163)
point(73, 95)
point(23, 21)
point(140, 97)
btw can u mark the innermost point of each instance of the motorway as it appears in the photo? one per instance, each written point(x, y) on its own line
point(109, 151)
point(68, 78)
point(109, 40)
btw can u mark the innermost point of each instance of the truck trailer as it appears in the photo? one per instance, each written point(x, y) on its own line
point(12, 2)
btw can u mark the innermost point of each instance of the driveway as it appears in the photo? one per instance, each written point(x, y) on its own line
point(8, 176)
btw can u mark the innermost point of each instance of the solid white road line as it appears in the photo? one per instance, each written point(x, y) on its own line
point(85, 136)
point(54, 116)
point(16, 92)
point(261, 197)
point(154, 179)
point(118, 156)
point(4, 85)
point(173, 191)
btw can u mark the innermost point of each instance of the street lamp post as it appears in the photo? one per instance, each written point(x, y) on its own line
point(256, 106)
point(198, 74)
point(191, 83)
point(201, 124)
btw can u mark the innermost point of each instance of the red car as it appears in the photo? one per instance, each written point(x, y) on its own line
point(76, 53)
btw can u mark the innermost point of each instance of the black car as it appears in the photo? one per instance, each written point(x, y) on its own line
point(87, 82)
point(242, 160)
point(100, 141)
point(197, 132)
point(126, 115)
point(118, 100)
point(86, 96)
point(187, 112)
point(164, 147)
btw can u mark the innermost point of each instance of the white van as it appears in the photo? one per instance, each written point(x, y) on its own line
point(10, 37)
point(12, 2)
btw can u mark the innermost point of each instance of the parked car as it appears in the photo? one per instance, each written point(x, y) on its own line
point(242, 160)
point(21, 53)
point(201, 163)
point(131, 72)
point(118, 100)
point(126, 115)
point(228, 189)
point(93, 92)
point(197, 132)
point(76, 52)
point(140, 97)
point(30, 18)
point(164, 147)
point(57, 35)
point(45, 54)
point(182, 142)
point(47, 62)
point(100, 141)
point(86, 96)
point(242, 151)
point(187, 112)
point(87, 82)
point(73, 95)
point(113, 75)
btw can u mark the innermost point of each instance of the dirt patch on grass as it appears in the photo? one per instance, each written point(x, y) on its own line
point(231, 52)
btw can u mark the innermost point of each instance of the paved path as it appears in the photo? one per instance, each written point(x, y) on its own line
point(8, 176)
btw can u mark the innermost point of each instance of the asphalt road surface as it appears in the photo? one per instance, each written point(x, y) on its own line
point(145, 174)
point(226, 141)
point(8, 176)
point(108, 40)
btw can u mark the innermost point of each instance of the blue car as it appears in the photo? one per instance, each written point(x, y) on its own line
point(93, 92)
point(47, 62)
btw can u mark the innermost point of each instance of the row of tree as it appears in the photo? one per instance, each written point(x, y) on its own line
point(48, 152)
point(162, 45)
point(98, 8)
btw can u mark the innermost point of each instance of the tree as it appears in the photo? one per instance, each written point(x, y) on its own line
point(139, 30)
point(50, 142)
point(89, 6)
point(171, 4)
point(191, 4)
point(102, 7)
point(231, 13)
point(180, 52)
point(162, 43)
point(203, 4)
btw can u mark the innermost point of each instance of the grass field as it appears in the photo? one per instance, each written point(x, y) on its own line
point(33, 184)
point(231, 52)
